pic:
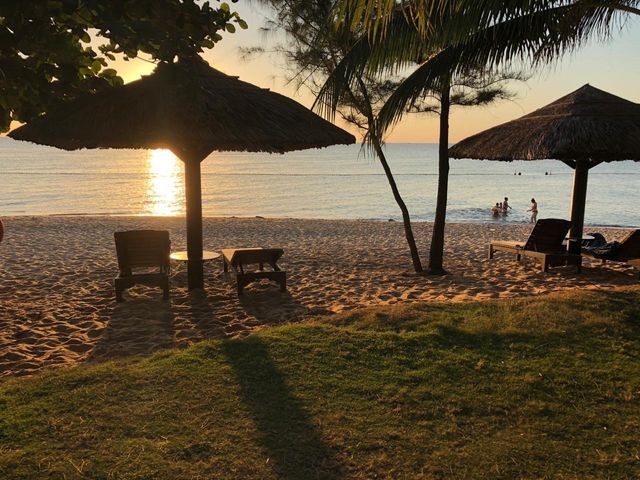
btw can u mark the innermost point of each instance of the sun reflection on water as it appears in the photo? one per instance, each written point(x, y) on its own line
point(165, 184)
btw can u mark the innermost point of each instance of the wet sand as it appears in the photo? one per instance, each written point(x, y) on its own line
point(57, 303)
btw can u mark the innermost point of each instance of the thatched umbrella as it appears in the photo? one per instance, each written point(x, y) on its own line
point(582, 130)
point(193, 110)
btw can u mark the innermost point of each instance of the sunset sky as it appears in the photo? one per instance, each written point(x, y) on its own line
point(614, 66)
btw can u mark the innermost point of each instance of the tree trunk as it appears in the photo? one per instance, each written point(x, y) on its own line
point(408, 232)
point(376, 142)
point(436, 253)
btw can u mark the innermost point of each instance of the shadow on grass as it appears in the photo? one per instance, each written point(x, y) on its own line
point(623, 302)
point(286, 432)
point(449, 336)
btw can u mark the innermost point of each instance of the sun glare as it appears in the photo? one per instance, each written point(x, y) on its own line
point(165, 186)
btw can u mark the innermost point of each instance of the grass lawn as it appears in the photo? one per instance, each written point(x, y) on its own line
point(534, 388)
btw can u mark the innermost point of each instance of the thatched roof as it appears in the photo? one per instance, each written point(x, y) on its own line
point(588, 124)
point(182, 105)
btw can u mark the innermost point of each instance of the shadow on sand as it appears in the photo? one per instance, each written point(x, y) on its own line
point(145, 324)
point(136, 327)
point(271, 307)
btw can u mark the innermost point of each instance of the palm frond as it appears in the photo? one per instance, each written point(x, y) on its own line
point(377, 15)
point(402, 48)
point(538, 38)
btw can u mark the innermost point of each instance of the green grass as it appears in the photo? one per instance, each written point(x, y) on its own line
point(536, 388)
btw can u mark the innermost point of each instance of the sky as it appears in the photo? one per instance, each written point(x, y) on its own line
point(613, 66)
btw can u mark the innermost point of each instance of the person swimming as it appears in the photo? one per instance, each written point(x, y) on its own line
point(506, 206)
point(495, 211)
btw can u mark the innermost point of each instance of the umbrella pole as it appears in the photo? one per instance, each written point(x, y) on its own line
point(578, 203)
point(195, 272)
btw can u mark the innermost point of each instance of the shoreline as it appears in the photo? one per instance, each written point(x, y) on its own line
point(312, 219)
point(58, 305)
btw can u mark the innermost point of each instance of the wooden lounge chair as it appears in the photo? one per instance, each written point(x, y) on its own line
point(545, 244)
point(239, 258)
point(627, 251)
point(144, 249)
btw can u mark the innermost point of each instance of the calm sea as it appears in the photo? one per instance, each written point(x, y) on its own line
point(336, 182)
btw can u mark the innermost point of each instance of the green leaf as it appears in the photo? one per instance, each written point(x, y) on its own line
point(108, 72)
point(96, 66)
point(65, 46)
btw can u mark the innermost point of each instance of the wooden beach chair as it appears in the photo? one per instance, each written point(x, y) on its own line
point(142, 249)
point(239, 258)
point(545, 245)
point(628, 250)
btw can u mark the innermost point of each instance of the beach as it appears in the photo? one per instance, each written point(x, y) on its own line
point(58, 307)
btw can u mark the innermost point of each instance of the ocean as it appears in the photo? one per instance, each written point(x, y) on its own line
point(341, 182)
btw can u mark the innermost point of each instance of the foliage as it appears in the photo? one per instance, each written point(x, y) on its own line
point(314, 48)
point(55, 50)
point(545, 387)
point(467, 34)
point(376, 15)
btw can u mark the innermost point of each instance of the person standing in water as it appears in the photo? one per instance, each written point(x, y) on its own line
point(505, 205)
point(534, 210)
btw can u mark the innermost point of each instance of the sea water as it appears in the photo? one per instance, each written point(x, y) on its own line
point(340, 182)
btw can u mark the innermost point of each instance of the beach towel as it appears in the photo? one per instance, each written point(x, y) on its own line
point(603, 251)
point(598, 241)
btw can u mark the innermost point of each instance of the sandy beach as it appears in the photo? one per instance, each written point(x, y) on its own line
point(57, 304)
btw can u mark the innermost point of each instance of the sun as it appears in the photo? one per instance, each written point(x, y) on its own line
point(165, 188)
point(162, 161)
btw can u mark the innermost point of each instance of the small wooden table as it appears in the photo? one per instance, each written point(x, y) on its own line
point(207, 255)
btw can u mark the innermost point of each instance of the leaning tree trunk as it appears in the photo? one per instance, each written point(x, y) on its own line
point(436, 253)
point(367, 110)
point(408, 232)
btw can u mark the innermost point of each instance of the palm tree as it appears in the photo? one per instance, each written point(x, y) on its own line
point(476, 88)
point(473, 87)
point(450, 38)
